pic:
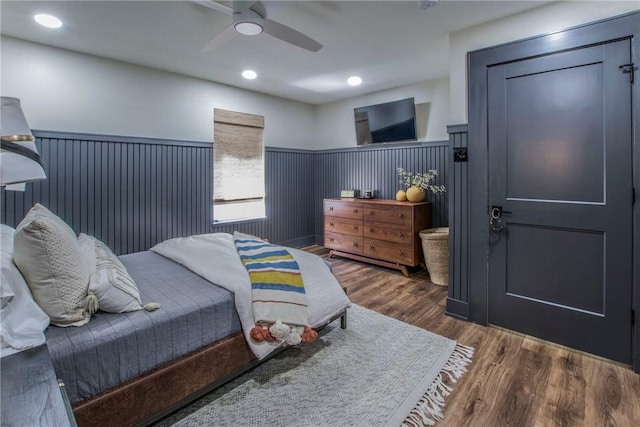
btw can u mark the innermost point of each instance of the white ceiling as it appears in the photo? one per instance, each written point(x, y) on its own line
point(387, 43)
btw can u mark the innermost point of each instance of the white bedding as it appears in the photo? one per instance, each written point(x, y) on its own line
point(22, 321)
point(214, 257)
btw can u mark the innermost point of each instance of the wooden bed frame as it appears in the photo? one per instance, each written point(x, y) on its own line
point(149, 397)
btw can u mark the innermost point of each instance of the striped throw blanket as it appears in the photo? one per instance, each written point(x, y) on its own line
point(279, 300)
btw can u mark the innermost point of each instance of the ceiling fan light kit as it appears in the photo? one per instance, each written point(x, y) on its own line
point(248, 28)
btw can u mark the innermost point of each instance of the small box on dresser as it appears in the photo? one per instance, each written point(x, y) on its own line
point(381, 232)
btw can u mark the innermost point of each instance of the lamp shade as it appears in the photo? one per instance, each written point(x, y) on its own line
point(19, 158)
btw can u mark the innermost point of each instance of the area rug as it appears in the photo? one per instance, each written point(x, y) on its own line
point(377, 372)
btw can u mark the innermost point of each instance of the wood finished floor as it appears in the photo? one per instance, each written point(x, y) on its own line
point(514, 380)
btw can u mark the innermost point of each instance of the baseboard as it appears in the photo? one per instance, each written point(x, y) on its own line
point(458, 309)
point(299, 242)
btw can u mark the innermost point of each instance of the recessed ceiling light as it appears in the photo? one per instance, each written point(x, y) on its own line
point(249, 74)
point(354, 81)
point(48, 21)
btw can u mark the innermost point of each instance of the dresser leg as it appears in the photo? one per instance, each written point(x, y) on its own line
point(404, 271)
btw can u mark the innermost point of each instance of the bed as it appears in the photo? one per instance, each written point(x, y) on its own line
point(132, 368)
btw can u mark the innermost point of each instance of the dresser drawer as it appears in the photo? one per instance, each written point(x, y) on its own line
point(394, 252)
point(343, 209)
point(343, 242)
point(389, 214)
point(389, 232)
point(336, 224)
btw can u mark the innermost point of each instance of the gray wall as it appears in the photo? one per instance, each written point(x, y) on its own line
point(374, 168)
point(458, 185)
point(133, 193)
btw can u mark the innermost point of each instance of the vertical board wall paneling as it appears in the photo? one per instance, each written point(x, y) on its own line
point(133, 193)
point(130, 195)
point(376, 169)
point(458, 183)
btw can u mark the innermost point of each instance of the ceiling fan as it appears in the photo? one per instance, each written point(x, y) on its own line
point(250, 18)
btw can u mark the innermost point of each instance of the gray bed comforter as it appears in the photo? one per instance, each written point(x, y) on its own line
point(114, 348)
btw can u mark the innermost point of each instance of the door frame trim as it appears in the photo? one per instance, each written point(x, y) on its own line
point(616, 28)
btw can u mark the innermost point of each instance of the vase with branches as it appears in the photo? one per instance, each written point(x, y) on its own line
point(416, 184)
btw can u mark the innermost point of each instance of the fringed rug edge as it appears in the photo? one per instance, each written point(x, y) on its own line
point(429, 408)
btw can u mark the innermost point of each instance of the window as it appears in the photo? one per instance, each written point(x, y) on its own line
point(238, 166)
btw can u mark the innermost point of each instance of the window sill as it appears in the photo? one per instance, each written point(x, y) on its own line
point(239, 221)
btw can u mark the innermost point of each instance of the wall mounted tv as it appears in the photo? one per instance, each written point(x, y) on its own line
point(388, 122)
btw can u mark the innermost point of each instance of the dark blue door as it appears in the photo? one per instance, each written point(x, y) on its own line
point(560, 179)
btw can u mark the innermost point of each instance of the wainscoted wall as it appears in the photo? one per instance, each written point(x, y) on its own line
point(458, 184)
point(375, 169)
point(134, 192)
point(129, 193)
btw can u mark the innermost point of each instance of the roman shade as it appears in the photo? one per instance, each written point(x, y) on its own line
point(238, 154)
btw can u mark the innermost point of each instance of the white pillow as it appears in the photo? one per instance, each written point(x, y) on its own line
point(22, 321)
point(47, 252)
point(114, 288)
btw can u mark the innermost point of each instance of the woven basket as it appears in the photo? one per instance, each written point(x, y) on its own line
point(435, 246)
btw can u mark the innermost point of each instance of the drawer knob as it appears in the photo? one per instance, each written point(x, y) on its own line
point(399, 234)
point(371, 230)
point(355, 211)
point(370, 212)
point(331, 239)
point(400, 215)
point(355, 227)
point(371, 247)
point(330, 224)
point(331, 208)
point(355, 244)
point(401, 253)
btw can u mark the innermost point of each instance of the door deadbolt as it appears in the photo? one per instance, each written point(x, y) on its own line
point(495, 218)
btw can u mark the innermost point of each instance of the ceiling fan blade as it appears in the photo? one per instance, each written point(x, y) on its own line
point(216, 6)
point(226, 35)
point(258, 7)
point(290, 35)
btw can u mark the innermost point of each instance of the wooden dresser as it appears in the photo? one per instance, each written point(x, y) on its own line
point(381, 232)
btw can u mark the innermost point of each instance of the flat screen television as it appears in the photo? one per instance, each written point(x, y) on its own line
point(388, 122)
